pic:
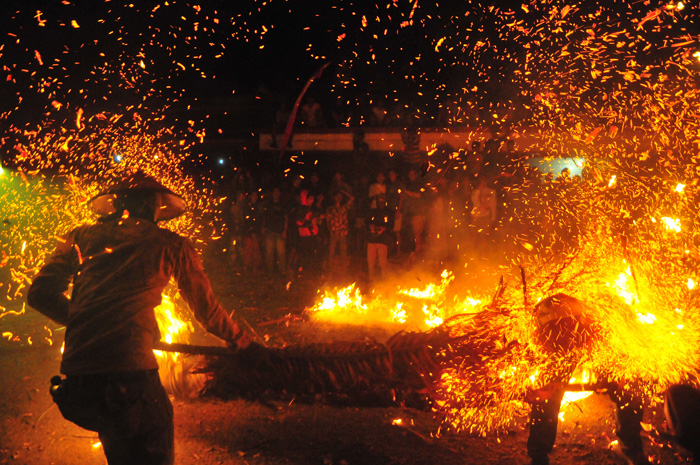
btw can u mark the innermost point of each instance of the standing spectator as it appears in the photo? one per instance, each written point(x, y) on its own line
point(412, 154)
point(313, 185)
point(242, 181)
point(236, 227)
point(377, 188)
point(394, 189)
point(360, 210)
point(275, 221)
point(296, 187)
point(394, 196)
point(379, 114)
point(416, 205)
point(379, 238)
point(279, 125)
point(292, 244)
point(338, 184)
point(338, 228)
point(360, 147)
point(311, 113)
point(307, 221)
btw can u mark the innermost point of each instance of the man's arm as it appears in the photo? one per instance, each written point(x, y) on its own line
point(47, 292)
point(197, 292)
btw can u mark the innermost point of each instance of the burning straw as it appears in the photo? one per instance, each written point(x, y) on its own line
point(476, 370)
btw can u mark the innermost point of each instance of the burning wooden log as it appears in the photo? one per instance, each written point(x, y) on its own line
point(408, 369)
point(404, 370)
point(399, 371)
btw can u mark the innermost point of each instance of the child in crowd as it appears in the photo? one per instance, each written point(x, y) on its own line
point(338, 229)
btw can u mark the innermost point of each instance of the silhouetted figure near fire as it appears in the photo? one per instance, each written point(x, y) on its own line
point(119, 267)
point(564, 330)
point(682, 412)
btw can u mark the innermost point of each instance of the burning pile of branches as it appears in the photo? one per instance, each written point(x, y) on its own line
point(400, 371)
point(409, 369)
point(477, 369)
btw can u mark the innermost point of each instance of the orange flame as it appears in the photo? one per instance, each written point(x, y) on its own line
point(424, 308)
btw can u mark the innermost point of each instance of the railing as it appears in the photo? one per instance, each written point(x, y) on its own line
point(377, 139)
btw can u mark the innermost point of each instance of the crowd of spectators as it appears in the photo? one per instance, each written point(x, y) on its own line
point(352, 225)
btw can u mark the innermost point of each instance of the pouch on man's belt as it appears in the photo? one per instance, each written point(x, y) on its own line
point(78, 403)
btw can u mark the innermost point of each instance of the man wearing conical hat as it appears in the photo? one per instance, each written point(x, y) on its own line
point(119, 267)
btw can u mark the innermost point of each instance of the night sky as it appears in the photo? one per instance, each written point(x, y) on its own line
point(223, 66)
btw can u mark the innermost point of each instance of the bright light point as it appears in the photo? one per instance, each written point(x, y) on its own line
point(680, 187)
point(397, 421)
point(647, 318)
point(691, 283)
point(96, 445)
point(612, 181)
point(575, 396)
point(672, 224)
point(622, 286)
point(221, 161)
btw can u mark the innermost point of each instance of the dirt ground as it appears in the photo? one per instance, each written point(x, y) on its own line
point(208, 431)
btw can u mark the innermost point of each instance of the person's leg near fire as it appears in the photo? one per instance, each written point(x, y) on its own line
point(564, 331)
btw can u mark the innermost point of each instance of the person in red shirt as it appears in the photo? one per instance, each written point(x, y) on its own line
point(119, 267)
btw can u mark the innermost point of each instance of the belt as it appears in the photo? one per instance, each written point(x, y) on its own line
point(118, 376)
